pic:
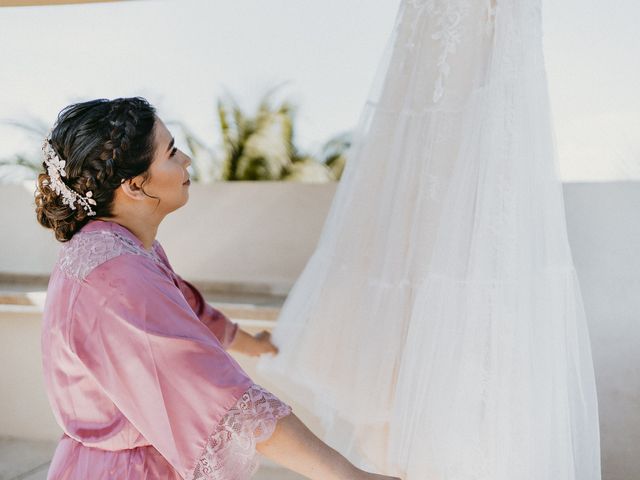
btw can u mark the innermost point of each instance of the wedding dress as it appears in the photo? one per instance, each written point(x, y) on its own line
point(439, 325)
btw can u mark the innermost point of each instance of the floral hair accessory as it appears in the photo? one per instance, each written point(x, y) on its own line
point(55, 170)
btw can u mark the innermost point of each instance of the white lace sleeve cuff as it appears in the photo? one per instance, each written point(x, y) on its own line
point(230, 452)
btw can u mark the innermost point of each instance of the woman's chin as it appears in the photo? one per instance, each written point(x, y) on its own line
point(182, 201)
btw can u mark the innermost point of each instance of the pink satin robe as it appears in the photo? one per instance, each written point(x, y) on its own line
point(136, 369)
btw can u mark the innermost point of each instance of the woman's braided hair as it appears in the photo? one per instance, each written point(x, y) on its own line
point(103, 142)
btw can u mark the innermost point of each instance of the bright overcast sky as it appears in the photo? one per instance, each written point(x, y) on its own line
point(182, 55)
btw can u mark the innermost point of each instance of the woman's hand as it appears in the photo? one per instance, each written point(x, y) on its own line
point(262, 344)
point(253, 345)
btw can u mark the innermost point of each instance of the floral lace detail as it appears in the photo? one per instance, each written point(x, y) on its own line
point(230, 452)
point(448, 15)
point(419, 7)
point(86, 250)
point(449, 34)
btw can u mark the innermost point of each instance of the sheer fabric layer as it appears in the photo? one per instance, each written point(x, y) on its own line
point(442, 294)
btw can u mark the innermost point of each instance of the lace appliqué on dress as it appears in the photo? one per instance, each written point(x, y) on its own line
point(85, 251)
point(449, 35)
point(230, 453)
point(448, 16)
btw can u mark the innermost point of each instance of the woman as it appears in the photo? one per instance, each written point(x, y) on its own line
point(135, 364)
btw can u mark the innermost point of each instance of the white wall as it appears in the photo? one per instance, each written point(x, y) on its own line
point(604, 231)
point(24, 410)
point(25, 246)
point(252, 236)
point(255, 234)
point(260, 235)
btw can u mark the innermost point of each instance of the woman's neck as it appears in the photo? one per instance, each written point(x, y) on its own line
point(145, 229)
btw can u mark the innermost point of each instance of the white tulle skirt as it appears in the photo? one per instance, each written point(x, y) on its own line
point(439, 325)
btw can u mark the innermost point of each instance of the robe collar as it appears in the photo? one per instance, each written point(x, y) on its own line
point(109, 226)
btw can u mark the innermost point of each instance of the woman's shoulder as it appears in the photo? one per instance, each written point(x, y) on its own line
point(91, 248)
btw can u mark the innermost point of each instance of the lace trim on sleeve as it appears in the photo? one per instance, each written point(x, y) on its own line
point(230, 452)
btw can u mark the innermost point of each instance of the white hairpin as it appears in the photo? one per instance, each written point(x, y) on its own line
point(55, 170)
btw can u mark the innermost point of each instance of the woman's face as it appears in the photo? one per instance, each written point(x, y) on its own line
point(169, 178)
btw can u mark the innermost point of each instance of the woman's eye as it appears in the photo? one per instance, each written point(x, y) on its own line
point(173, 151)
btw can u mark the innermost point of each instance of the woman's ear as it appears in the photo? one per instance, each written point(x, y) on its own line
point(132, 188)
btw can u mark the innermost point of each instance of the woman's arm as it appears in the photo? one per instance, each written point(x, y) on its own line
point(230, 335)
point(295, 447)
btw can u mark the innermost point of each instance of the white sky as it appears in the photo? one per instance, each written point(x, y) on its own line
point(183, 54)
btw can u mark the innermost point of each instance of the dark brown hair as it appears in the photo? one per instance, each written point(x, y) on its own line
point(103, 143)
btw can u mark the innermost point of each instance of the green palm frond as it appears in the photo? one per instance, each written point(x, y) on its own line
point(34, 126)
point(259, 146)
point(334, 153)
point(21, 161)
point(21, 165)
point(251, 146)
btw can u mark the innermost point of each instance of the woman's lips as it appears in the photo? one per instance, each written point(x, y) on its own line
point(188, 182)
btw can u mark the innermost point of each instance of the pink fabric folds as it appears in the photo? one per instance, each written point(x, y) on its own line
point(213, 319)
point(135, 370)
point(74, 461)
